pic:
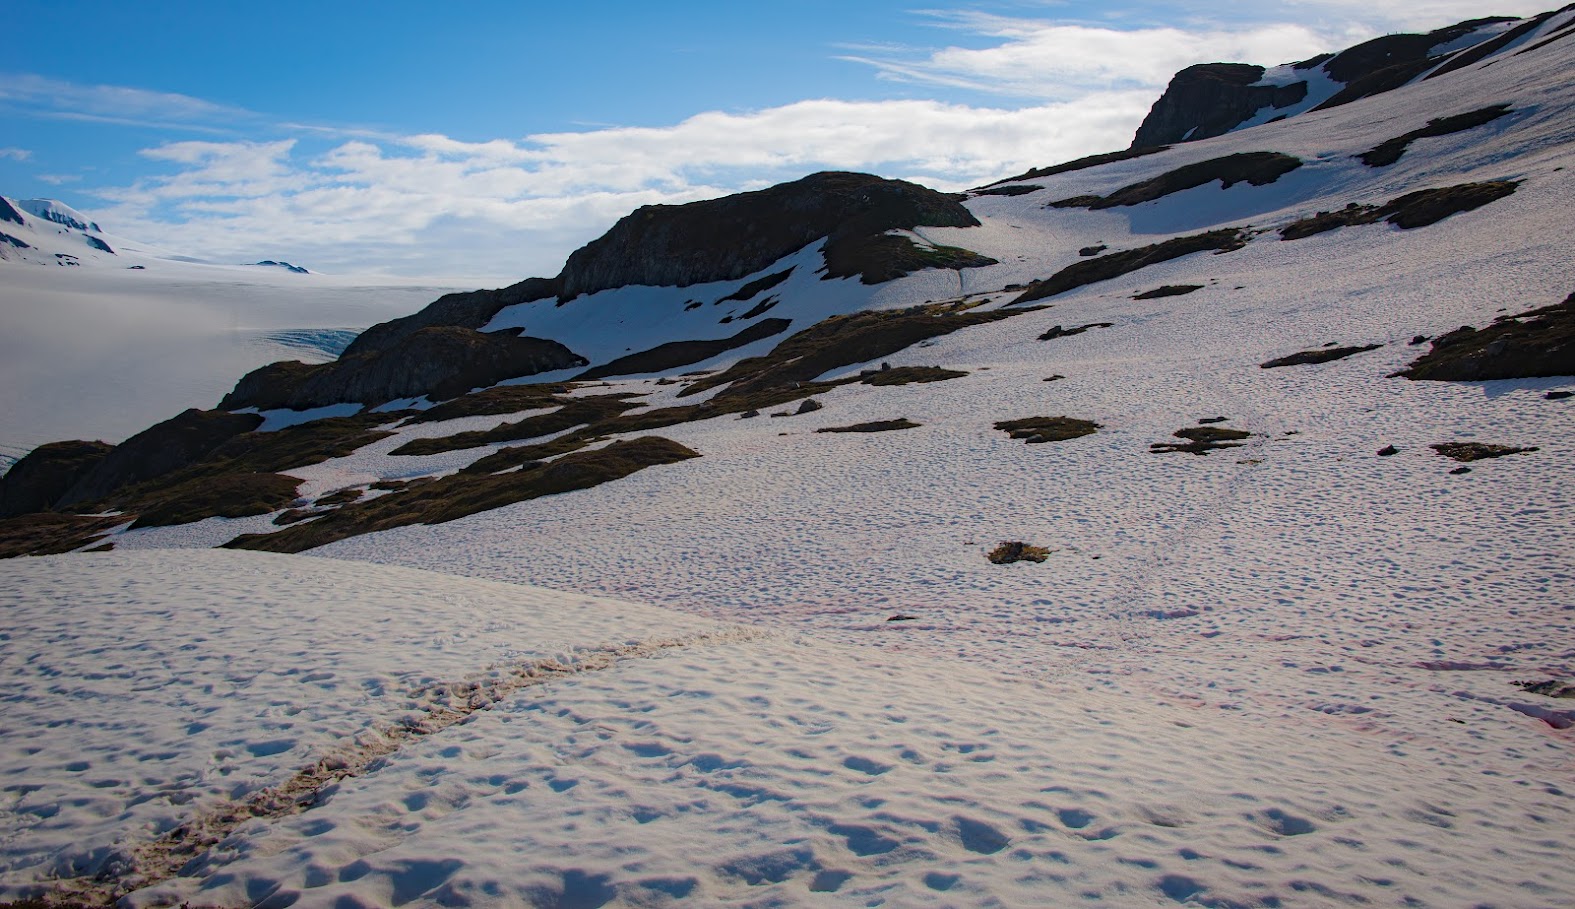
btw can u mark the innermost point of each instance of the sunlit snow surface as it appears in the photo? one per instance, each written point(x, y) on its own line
point(1279, 675)
point(108, 345)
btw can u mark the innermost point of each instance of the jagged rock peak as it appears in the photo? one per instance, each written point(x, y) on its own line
point(737, 235)
point(1211, 99)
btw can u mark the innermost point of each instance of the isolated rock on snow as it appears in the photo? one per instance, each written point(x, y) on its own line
point(1531, 344)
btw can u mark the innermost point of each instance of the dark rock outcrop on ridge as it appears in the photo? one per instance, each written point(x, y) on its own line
point(46, 473)
point(158, 450)
point(1211, 99)
point(465, 310)
point(439, 362)
point(728, 238)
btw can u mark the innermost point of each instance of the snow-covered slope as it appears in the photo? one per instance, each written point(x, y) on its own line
point(113, 334)
point(1321, 667)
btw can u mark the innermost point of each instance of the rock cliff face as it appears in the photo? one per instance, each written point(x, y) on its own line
point(1211, 99)
point(39, 480)
point(727, 238)
point(465, 310)
point(158, 450)
point(439, 362)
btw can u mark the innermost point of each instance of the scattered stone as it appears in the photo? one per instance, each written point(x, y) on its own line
point(1208, 420)
point(1559, 395)
point(1055, 378)
point(1321, 355)
point(903, 618)
point(748, 414)
point(1037, 430)
point(1088, 251)
point(1460, 470)
point(1200, 440)
point(874, 426)
point(1418, 340)
point(1017, 551)
point(1388, 450)
point(1060, 332)
point(904, 375)
point(810, 405)
point(1168, 290)
point(1477, 451)
point(1552, 688)
point(1020, 189)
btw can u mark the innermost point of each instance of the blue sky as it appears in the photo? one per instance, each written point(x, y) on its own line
point(489, 139)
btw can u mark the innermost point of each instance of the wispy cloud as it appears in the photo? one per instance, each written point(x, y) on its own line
point(41, 96)
point(429, 202)
point(1042, 59)
point(15, 154)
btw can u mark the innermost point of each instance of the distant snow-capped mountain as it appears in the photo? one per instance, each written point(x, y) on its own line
point(50, 232)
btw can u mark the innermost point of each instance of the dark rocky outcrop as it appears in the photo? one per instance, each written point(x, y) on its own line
point(906, 375)
point(1083, 164)
point(48, 533)
point(748, 291)
point(1061, 331)
point(467, 493)
point(1486, 49)
point(878, 258)
point(1017, 551)
point(1116, 264)
point(1408, 212)
point(1211, 99)
point(840, 341)
point(675, 354)
point(98, 244)
point(465, 310)
point(1256, 168)
point(1200, 440)
point(728, 238)
point(46, 473)
point(1477, 451)
point(1320, 355)
point(1017, 189)
point(8, 213)
point(1390, 151)
point(438, 362)
point(159, 450)
point(1038, 430)
point(1168, 290)
point(1531, 344)
point(874, 426)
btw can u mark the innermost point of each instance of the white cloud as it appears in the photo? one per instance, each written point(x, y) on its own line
point(504, 208)
point(1042, 59)
point(15, 154)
